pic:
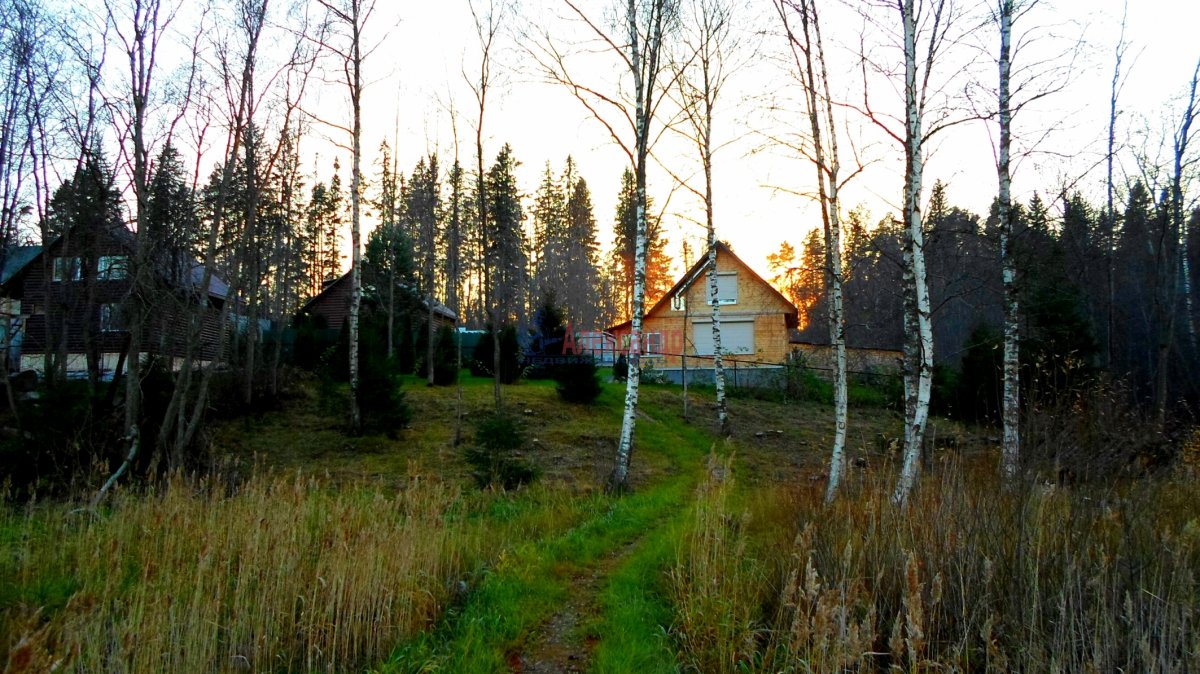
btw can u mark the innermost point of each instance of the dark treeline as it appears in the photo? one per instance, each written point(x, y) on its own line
point(1098, 298)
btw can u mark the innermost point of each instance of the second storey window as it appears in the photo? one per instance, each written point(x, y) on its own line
point(66, 269)
point(727, 288)
point(112, 267)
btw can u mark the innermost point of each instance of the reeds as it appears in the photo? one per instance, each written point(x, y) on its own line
point(286, 575)
point(971, 577)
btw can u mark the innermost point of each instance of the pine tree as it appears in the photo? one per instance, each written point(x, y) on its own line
point(548, 253)
point(582, 260)
point(504, 240)
point(658, 263)
point(455, 233)
point(79, 210)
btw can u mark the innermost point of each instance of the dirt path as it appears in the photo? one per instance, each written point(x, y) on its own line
point(559, 645)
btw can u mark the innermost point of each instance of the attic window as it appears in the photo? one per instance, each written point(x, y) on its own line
point(727, 288)
point(66, 269)
point(679, 302)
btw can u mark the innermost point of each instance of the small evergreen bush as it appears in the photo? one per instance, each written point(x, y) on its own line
point(380, 399)
point(498, 436)
point(546, 340)
point(577, 381)
point(445, 358)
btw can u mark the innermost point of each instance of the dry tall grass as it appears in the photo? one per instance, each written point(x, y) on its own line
point(286, 575)
point(971, 578)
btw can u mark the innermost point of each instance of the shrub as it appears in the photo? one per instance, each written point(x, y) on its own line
point(546, 339)
point(621, 368)
point(510, 356)
point(577, 381)
point(445, 358)
point(330, 396)
point(67, 430)
point(498, 437)
point(380, 399)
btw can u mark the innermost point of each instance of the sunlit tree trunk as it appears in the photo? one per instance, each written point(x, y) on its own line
point(644, 66)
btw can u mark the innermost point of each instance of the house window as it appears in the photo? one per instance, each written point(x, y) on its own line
point(110, 318)
point(66, 269)
point(737, 337)
point(679, 302)
point(112, 267)
point(727, 288)
point(654, 344)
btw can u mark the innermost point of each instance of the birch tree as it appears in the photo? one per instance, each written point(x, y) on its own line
point(181, 422)
point(1011, 398)
point(139, 26)
point(925, 26)
point(1170, 246)
point(712, 49)
point(808, 53)
point(1033, 81)
point(1110, 214)
point(639, 42)
point(348, 21)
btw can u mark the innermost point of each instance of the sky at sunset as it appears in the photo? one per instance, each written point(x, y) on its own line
point(416, 76)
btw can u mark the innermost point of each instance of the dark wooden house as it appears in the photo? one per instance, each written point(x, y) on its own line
point(330, 308)
point(66, 302)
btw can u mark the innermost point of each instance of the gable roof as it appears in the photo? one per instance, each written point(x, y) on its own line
point(336, 284)
point(700, 266)
point(20, 257)
point(17, 258)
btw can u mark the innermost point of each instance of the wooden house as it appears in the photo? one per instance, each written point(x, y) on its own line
point(66, 300)
point(330, 308)
point(756, 322)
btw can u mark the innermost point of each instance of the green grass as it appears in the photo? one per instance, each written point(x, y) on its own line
point(636, 609)
point(320, 515)
point(524, 587)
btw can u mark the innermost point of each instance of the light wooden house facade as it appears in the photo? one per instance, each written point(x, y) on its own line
point(756, 321)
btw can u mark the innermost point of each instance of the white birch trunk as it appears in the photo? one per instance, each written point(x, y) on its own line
point(619, 480)
point(919, 332)
point(718, 364)
point(355, 210)
point(1177, 208)
point(818, 100)
point(1011, 405)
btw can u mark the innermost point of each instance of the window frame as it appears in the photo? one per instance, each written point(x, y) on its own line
point(651, 339)
point(723, 301)
point(112, 268)
point(65, 266)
